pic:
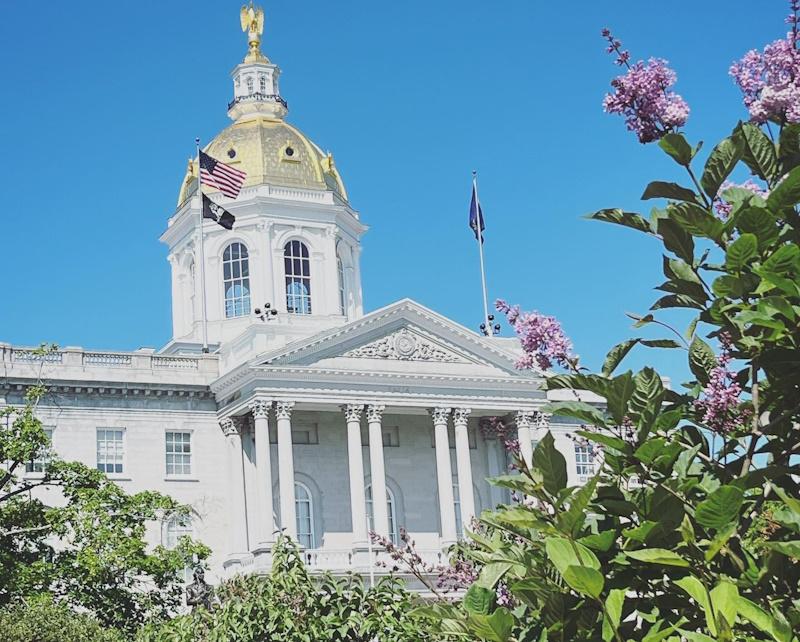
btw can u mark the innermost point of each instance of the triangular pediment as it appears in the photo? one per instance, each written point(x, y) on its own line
point(404, 336)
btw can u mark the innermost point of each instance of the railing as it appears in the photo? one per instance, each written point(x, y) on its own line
point(31, 356)
point(107, 359)
point(328, 559)
point(176, 363)
point(258, 97)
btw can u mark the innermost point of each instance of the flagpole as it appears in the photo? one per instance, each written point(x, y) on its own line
point(479, 229)
point(202, 251)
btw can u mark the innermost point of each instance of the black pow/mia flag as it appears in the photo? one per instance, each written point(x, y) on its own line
point(217, 213)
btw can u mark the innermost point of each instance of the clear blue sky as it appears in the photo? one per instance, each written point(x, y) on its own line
point(102, 102)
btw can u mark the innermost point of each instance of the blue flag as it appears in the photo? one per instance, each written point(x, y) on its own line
point(476, 215)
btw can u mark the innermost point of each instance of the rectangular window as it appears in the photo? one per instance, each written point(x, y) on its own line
point(391, 436)
point(451, 437)
point(302, 434)
point(38, 463)
point(110, 450)
point(179, 453)
point(584, 461)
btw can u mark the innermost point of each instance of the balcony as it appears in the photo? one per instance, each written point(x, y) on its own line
point(258, 98)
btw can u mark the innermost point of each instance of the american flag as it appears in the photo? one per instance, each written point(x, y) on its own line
point(225, 178)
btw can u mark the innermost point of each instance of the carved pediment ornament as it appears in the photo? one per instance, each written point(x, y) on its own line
point(403, 346)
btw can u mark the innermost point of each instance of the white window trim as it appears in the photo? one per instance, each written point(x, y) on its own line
point(394, 535)
point(192, 476)
point(125, 474)
point(39, 474)
point(312, 526)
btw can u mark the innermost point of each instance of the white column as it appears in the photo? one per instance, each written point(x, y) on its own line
point(355, 459)
point(380, 514)
point(444, 475)
point(237, 527)
point(283, 413)
point(464, 466)
point(265, 524)
point(524, 418)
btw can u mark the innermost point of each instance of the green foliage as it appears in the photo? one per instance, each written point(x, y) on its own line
point(87, 549)
point(293, 606)
point(690, 530)
point(39, 619)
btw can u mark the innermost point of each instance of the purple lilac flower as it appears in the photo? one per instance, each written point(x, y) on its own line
point(723, 208)
point(770, 80)
point(542, 338)
point(641, 95)
point(720, 402)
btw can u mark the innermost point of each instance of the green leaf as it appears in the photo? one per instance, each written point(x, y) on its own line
point(696, 220)
point(551, 463)
point(762, 620)
point(741, 252)
point(661, 189)
point(600, 541)
point(724, 598)
point(578, 409)
point(698, 592)
point(563, 554)
point(478, 599)
point(602, 438)
point(613, 613)
point(585, 580)
point(701, 360)
point(492, 572)
point(618, 394)
point(758, 221)
point(786, 193)
point(694, 636)
point(676, 239)
point(720, 507)
point(661, 556)
point(571, 520)
point(792, 503)
point(784, 259)
point(661, 343)
point(650, 449)
point(676, 146)
point(790, 549)
point(495, 627)
point(758, 152)
point(676, 301)
point(648, 388)
point(680, 270)
point(616, 355)
point(620, 217)
point(720, 164)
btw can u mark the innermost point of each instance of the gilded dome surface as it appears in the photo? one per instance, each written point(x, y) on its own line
point(270, 151)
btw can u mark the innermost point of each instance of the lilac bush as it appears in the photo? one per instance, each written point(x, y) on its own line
point(542, 338)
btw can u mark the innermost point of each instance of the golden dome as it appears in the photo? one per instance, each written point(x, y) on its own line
point(270, 151)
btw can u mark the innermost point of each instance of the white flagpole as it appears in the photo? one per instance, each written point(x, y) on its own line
point(479, 234)
point(202, 252)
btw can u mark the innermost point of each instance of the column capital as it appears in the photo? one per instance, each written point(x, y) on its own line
point(461, 416)
point(352, 411)
point(439, 415)
point(243, 423)
point(260, 407)
point(283, 409)
point(542, 419)
point(524, 418)
point(229, 428)
point(375, 412)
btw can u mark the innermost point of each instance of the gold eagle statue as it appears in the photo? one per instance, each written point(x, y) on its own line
point(253, 25)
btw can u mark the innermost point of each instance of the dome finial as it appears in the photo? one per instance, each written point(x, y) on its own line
point(253, 25)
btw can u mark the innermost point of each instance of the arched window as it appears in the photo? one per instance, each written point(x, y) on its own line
point(390, 511)
point(262, 84)
point(340, 273)
point(176, 527)
point(236, 280)
point(249, 84)
point(297, 267)
point(304, 509)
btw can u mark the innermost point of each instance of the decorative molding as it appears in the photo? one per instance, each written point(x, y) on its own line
point(375, 413)
point(229, 428)
point(542, 419)
point(440, 415)
point(524, 418)
point(461, 416)
point(352, 412)
point(283, 409)
point(260, 408)
point(243, 423)
point(404, 346)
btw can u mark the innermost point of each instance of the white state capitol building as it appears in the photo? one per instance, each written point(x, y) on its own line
point(299, 420)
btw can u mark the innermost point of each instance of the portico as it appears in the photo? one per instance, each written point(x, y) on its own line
point(351, 422)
